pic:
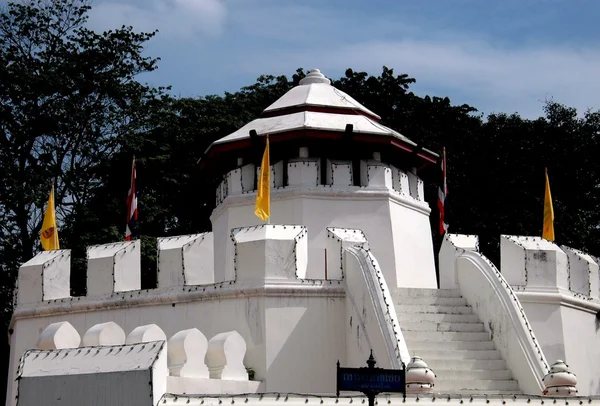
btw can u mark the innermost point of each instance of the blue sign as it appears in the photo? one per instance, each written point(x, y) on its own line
point(371, 380)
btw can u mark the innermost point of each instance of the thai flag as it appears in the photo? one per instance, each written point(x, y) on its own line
point(132, 209)
point(442, 195)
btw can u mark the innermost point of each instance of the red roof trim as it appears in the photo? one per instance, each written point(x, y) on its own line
point(316, 134)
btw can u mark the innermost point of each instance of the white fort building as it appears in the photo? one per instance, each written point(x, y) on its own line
point(260, 314)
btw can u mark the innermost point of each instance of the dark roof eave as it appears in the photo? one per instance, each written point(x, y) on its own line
point(405, 145)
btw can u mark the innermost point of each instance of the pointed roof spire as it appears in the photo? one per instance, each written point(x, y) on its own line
point(314, 76)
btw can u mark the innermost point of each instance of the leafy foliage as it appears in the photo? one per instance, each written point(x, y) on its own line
point(72, 110)
point(68, 98)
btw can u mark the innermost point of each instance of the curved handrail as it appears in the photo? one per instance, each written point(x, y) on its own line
point(511, 305)
point(383, 306)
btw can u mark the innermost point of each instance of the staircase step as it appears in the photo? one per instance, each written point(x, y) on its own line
point(440, 327)
point(448, 345)
point(436, 317)
point(466, 364)
point(457, 354)
point(477, 374)
point(454, 385)
point(432, 326)
point(434, 309)
point(414, 336)
point(419, 292)
point(430, 300)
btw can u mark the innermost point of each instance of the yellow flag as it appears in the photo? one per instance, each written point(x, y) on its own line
point(49, 234)
point(548, 231)
point(262, 209)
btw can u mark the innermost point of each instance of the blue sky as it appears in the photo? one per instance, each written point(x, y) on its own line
point(497, 55)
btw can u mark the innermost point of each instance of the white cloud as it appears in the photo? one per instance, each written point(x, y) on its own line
point(505, 80)
point(175, 19)
point(493, 72)
point(468, 67)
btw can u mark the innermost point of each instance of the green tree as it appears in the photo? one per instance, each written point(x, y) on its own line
point(68, 97)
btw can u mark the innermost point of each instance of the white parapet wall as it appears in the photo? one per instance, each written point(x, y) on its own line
point(304, 172)
point(133, 374)
point(582, 273)
point(277, 178)
point(105, 362)
point(534, 262)
point(113, 268)
point(416, 187)
point(357, 398)
point(375, 174)
point(400, 181)
point(338, 239)
point(277, 299)
point(558, 289)
point(45, 277)
point(393, 216)
point(339, 173)
point(371, 320)
point(186, 260)
point(452, 246)
point(270, 252)
point(497, 305)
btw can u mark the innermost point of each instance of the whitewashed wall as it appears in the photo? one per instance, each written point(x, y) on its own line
point(551, 282)
point(276, 399)
point(395, 222)
point(70, 376)
point(284, 320)
point(496, 305)
point(297, 326)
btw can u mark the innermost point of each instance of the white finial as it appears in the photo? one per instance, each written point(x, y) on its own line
point(419, 377)
point(560, 381)
point(315, 76)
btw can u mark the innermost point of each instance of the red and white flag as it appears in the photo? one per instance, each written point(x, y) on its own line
point(132, 209)
point(442, 195)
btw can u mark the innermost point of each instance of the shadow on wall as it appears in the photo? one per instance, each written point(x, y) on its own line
point(313, 340)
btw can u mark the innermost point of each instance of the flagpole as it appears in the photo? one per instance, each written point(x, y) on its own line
point(54, 210)
point(269, 169)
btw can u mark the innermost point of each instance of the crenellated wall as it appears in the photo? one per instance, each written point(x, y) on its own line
point(560, 292)
point(462, 266)
point(551, 300)
point(283, 317)
point(138, 368)
point(388, 206)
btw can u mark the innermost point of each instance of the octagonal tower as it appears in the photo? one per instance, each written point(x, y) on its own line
point(332, 165)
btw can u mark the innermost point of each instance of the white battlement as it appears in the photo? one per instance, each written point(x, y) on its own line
point(113, 267)
point(185, 260)
point(550, 291)
point(270, 252)
point(187, 349)
point(45, 277)
point(376, 174)
point(306, 172)
point(582, 273)
point(386, 202)
point(338, 239)
point(261, 253)
point(179, 365)
point(128, 374)
point(109, 333)
point(535, 263)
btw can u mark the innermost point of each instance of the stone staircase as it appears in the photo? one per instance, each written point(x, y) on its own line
point(441, 328)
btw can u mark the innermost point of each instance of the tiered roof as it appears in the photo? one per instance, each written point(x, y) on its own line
point(315, 109)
